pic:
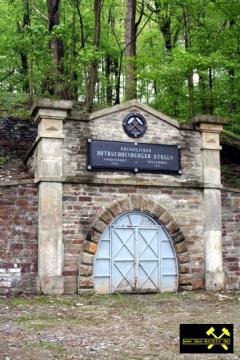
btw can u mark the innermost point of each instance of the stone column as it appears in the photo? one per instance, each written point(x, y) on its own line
point(48, 151)
point(210, 128)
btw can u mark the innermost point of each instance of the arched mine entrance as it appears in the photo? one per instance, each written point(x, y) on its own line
point(135, 255)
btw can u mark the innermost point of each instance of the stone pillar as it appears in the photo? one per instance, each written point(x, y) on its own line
point(210, 128)
point(49, 115)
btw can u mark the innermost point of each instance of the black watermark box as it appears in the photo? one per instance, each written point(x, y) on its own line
point(206, 338)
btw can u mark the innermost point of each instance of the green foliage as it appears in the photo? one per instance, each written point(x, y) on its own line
point(4, 160)
point(228, 138)
point(170, 55)
point(14, 104)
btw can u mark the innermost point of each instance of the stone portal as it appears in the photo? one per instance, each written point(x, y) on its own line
point(169, 172)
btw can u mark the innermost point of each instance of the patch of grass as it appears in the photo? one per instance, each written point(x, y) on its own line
point(41, 321)
point(15, 301)
point(40, 300)
point(4, 160)
point(167, 294)
point(74, 300)
point(53, 300)
point(115, 298)
point(104, 299)
point(67, 301)
point(38, 321)
point(47, 345)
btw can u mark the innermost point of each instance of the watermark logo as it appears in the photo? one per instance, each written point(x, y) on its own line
point(206, 338)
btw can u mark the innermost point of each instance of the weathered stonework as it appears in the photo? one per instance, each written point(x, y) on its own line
point(18, 238)
point(47, 153)
point(77, 130)
point(125, 205)
point(80, 234)
point(51, 227)
point(215, 277)
point(231, 237)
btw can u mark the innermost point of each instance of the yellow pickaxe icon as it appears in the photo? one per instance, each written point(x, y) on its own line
point(224, 332)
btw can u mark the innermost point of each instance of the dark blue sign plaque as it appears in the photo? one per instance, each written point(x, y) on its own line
point(135, 157)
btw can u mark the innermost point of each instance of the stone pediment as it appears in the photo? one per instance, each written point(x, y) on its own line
point(130, 105)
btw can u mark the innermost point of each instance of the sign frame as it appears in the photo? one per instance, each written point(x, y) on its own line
point(134, 169)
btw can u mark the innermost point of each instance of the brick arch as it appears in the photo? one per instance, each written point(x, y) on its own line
point(133, 203)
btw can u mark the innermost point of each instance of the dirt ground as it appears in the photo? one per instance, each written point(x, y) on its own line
point(132, 327)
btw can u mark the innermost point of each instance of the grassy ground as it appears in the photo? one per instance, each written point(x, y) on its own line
point(110, 327)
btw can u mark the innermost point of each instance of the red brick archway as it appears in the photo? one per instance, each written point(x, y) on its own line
point(134, 202)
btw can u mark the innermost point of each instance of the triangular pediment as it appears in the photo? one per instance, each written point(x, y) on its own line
point(129, 105)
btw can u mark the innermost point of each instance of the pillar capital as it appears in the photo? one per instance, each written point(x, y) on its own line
point(49, 116)
point(50, 109)
point(44, 159)
point(208, 121)
point(210, 127)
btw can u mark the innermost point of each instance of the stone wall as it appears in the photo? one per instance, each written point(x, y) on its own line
point(18, 238)
point(83, 204)
point(231, 236)
point(159, 131)
point(16, 136)
point(35, 233)
point(182, 196)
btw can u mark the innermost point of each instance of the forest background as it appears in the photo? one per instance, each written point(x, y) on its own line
point(180, 57)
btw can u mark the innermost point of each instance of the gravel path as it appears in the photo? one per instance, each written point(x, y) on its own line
point(112, 327)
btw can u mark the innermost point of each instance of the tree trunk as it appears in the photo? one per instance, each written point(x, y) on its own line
point(232, 104)
point(57, 46)
point(155, 87)
point(117, 74)
point(130, 42)
point(109, 90)
point(210, 82)
point(202, 88)
point(81, 24)
point(109, 63)
point(92, 78)
point(164, 20)
point(23, 53)
point(73, 74)
point(231, 74)
point(187, 38)
point(164, 23)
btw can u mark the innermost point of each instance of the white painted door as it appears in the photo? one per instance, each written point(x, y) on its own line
point(135, 254)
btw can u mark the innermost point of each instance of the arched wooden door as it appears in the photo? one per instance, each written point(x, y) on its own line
point(135, 255)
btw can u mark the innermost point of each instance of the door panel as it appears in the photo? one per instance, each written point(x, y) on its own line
point(123, 259)
point(148, 259)
point(148, 276)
